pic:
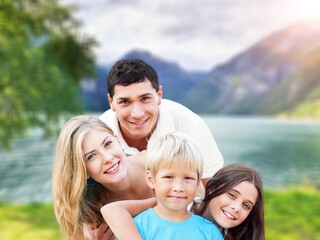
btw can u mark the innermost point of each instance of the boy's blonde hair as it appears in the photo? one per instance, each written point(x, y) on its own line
point(174, 150)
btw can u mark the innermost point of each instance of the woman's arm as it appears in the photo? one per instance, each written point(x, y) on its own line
point(118, 216)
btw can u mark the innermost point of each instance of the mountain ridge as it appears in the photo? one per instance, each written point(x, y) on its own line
point(277, 75)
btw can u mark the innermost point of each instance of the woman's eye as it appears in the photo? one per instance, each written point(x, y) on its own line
point(108, 143)
point(90, 157)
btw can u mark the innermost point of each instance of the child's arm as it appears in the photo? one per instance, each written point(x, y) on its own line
point(118, 216)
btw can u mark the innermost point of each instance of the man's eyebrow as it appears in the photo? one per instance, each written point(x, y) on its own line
point(122, 98)
point(145, 94)
point(140, 96)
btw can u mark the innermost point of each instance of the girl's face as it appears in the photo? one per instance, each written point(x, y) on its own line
point(104, 157)
point(232, 207)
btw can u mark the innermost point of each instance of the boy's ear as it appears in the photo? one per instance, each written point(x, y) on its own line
point(150, 179)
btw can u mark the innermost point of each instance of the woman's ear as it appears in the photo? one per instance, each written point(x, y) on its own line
point(150, 179)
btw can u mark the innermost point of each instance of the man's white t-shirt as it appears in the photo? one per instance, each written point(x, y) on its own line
point(176, 117)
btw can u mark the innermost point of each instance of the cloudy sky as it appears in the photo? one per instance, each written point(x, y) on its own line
point(195, 34)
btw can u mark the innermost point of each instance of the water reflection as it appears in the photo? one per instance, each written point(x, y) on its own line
point(25, 172)
point(285, 153)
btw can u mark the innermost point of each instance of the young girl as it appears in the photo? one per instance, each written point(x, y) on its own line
point(233, 201)
point(90, 170)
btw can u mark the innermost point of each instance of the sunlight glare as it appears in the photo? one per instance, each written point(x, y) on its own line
point(309, 9)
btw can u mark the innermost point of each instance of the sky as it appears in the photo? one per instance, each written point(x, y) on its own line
point(197, 35)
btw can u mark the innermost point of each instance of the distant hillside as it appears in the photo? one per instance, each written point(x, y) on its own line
point(175, 81)
point(279, 74)
point(94, 91)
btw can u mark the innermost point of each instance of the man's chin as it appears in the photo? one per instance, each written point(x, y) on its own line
point(140, 136)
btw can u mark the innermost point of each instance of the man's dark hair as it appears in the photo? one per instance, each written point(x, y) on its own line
point(126, 72)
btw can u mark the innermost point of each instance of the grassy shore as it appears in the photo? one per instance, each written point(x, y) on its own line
point(289, 215)
point(292, 214)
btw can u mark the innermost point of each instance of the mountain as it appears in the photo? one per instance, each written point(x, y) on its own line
point(278, 75)
point(94, 91)
point(175, 80)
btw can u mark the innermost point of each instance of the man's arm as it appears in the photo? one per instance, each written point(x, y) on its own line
point(119, 214)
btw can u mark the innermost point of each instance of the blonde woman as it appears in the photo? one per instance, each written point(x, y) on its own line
point(90, 170)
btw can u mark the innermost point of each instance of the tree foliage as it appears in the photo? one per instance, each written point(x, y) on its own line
point(43, 57)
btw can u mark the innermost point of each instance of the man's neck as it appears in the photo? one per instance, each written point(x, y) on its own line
point(140, 144)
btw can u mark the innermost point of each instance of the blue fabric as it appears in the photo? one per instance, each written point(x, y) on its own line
point(151, 226)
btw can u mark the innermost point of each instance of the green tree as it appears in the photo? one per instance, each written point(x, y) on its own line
point(43, 57)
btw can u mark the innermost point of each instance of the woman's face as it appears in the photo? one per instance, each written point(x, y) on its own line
point(232, 207)
point(104, 157)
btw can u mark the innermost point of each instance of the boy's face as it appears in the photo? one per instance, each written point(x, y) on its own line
point(137, 109)
point(175, 189)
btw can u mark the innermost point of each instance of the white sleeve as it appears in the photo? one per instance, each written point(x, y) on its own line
point(192, 124)
point(212, 156)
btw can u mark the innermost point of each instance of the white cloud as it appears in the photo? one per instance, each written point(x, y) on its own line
point(196, 34)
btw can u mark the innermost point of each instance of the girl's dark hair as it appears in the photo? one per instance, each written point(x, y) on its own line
point(252, 228)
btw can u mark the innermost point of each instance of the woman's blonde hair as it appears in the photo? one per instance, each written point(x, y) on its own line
point(174, 149)
point(77, 199)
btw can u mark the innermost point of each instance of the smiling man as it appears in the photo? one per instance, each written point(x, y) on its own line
point(139, 115)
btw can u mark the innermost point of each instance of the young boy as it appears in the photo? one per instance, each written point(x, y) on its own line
point(174, 170)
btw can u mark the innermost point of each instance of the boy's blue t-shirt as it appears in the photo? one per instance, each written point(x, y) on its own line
point(151, 226)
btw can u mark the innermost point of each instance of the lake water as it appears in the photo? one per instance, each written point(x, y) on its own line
point(286, 153)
